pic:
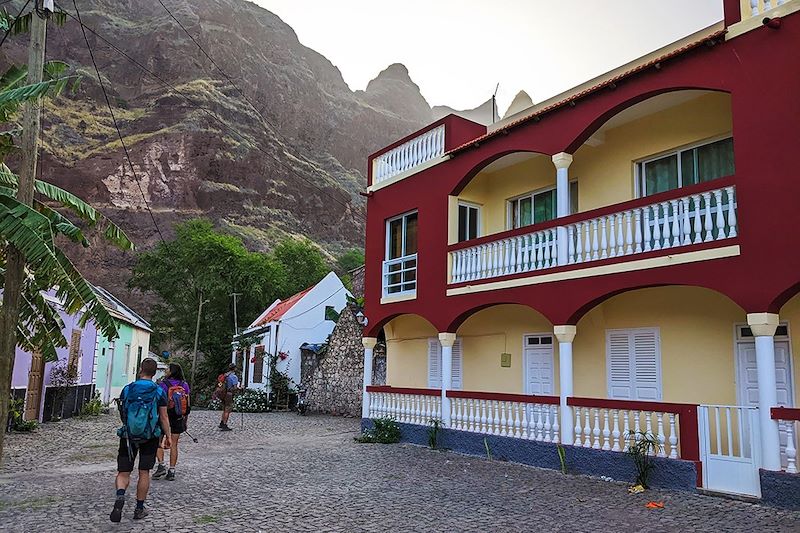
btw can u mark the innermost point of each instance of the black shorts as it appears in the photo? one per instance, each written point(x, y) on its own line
point(145, 450)
point(177, 424)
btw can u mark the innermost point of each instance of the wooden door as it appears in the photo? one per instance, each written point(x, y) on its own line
point(33, 396)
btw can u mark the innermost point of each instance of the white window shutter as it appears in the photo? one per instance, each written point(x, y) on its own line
point(434, 364)
point(618, 356)
point(647, 364)
point(458, 366)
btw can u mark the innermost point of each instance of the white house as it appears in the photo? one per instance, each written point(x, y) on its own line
point(284, 326)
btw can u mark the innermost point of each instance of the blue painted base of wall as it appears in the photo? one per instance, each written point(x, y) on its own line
point(780, 489)
point(668, 473)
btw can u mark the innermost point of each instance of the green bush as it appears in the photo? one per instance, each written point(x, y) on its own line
point(93, 407)
point(16, 409)
point(251, 401)
point(383, 431)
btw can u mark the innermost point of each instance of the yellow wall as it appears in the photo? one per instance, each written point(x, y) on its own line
point(407, 351)
point(791, 313)
point(605, 173)
point(491, 332)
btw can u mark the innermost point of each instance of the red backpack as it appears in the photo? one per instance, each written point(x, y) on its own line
point(221, 389)
point(178, 400)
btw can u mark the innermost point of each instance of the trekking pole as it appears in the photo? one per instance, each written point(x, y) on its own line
point(191, 437)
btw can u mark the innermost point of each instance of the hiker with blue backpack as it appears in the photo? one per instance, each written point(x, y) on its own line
point(143, 410)
point(178, 407)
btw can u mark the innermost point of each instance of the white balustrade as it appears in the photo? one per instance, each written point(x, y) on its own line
point(400, 275)
point(409, 155)
point(789, 429)
point(758, 7)
point(599, 428)
point(521, 253)
point(515, 416)
point(405, 407)
point(705, 217)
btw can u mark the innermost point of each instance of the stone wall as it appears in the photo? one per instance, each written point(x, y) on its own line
point(333, 377)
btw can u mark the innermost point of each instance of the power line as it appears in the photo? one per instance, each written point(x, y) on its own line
point(116, 126)
point(226, 126)
point(11, 27)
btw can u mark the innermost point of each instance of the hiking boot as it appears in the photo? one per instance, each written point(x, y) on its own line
point(160, 472)
point(139, 513)
point(170, 475)
point(224, 427)
point(221, 425)
point(116, 513)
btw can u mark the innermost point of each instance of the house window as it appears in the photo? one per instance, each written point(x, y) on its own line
point(435, 365)
point(633, 359)
point(684, 167)
point(127, 358)
point(138, 358)
point(469, 221)
point(258, 364)
point(400, 267)
point(538, 206)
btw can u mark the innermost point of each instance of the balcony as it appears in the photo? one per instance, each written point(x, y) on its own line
point(742, 16)
point(667, 224)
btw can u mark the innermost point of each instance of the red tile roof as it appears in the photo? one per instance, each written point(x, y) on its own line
point(606, 83)
point(282, 308)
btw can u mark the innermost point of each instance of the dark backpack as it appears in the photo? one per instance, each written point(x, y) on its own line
point(138, 406)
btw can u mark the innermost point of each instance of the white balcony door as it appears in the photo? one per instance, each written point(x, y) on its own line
point(538, 361)
point(747, 378)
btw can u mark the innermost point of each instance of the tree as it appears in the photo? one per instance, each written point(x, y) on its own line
point(349, 260)
point(202, 262)
point(30, 231)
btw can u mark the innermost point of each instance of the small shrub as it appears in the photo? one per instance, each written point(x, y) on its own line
point(562, 458)
point(251, 401)
point(214, 404)
point(93, 407)
point(643, 447)
point(383, 431)
point(16, 410)
point(433, 433)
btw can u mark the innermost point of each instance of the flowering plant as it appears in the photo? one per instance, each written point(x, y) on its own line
point(283, 356)
point(252, 401)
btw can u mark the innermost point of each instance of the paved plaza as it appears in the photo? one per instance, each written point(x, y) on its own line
point(282, 472)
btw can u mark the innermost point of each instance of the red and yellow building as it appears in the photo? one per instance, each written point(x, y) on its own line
point(618, 257)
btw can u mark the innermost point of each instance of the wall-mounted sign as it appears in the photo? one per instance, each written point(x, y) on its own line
point(505, 360)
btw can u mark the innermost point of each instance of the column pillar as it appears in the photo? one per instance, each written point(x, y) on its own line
point(369, 344)
point(565, 336)
point(562, 161)
point(446, 340)
point(763, 326)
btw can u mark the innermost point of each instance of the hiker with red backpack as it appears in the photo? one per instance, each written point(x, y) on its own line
point(143, 410)
point(227, 384)
point(178, 407)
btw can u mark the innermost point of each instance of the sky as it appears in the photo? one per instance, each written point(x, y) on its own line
point(457, 51)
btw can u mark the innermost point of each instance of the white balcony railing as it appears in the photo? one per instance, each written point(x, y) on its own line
point(692, 219)
point(409, 406)
point(408, 155)
point(758, 7)
point(400, 275)
point(507, 415)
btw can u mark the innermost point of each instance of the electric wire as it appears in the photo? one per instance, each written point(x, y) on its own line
point(347, 206)
point(11, 27)
point(116, 126)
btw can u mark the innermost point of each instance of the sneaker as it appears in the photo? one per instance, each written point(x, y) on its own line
point(139, 513)
point(116, 513)
point(221, 425)
point(160, 472)
point(170, 475)
point(225, 428)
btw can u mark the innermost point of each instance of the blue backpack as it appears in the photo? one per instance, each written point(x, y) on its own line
point(138, 407)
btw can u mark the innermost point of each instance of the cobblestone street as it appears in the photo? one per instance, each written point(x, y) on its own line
point(282, 472)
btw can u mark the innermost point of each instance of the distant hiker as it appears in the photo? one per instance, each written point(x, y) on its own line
point(228, 384)
point(178, 407)
point(143, 410)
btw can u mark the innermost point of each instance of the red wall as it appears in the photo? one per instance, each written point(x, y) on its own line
point(759, 72)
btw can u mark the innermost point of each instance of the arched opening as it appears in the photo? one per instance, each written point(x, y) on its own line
point(517, 189)
point(408, 340)
point(668, 141)
point(508, 348)
point(672, 344)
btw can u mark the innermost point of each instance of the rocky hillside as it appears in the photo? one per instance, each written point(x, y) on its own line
point(291, 166)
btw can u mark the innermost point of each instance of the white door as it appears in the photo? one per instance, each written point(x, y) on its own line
point(748, 379)
point(109, 372)
point(729, 448)
point(538, 357)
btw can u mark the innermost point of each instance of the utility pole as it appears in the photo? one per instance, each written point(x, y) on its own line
point(235, 316)
point(15, 262)
point(197, 335)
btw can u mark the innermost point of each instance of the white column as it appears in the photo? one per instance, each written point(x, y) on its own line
point(565, 336)
point(562, 161)
point(446, 340)
point(369, 344)
point(763, 326)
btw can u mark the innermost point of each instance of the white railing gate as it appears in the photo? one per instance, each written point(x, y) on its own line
point(730, 448)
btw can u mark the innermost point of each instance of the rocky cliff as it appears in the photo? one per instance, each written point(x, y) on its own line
point(285, 156)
